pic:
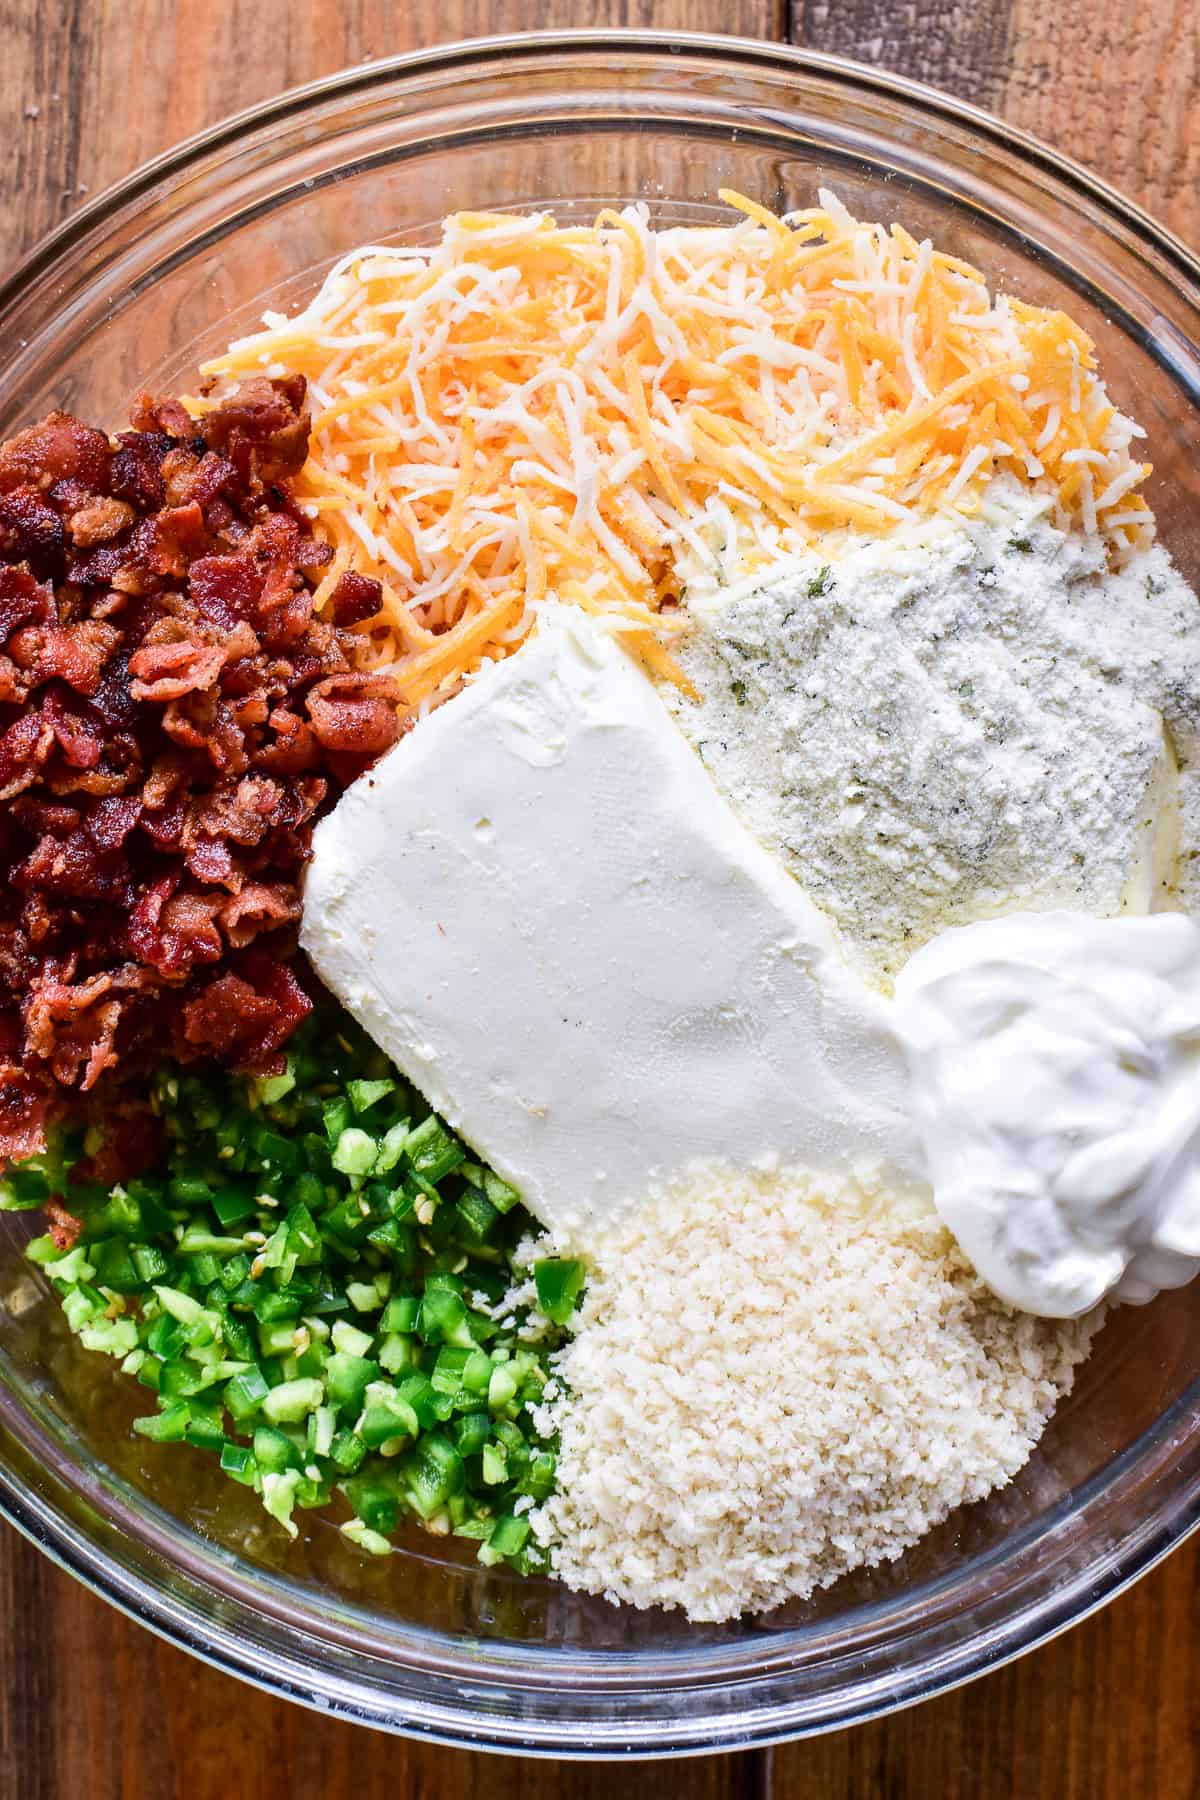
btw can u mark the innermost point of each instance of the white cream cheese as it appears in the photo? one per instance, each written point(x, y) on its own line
point(1055, 1061)
point(541, 908)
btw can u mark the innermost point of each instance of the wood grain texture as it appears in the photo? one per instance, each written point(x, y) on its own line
point(1115, 86)
point(1112, 83)
point(92, 1707)
point(91, 88)
point(1106, 1712)
point(154, 1724)
point(959, 45)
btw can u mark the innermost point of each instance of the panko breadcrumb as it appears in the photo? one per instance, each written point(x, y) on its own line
point(777, 1378)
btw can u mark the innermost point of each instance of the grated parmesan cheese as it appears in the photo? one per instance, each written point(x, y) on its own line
point(776, 1379)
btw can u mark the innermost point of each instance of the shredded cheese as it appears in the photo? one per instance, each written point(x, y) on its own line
point(528, 409)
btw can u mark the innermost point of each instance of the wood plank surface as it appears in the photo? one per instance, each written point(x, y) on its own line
point(1114, 85)
point(92, 1707)
point(962, 48)
point(91, 88)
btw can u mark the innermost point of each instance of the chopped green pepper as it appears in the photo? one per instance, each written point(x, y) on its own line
point(308, 1286)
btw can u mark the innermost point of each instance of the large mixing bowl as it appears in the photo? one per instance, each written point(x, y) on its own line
point(163, 271)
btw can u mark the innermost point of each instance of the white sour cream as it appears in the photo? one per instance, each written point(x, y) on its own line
point(1055, 1062)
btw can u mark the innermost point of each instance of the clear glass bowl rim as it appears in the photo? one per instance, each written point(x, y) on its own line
point(751, 1691)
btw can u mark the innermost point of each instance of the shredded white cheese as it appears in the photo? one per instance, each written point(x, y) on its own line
point(507, 413)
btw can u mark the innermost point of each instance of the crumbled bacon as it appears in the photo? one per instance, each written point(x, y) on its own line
point(169, 671)
point(354, 713)
point(262, 430)
point(28, 524)
point(76, 653)
point(172, 718)
point(355, 597)
point(59, 449)
point(245, 1016)
point(24, 1103)
point(260, 906)
point(23, 601)
point(65, 1228)
point(96, 521)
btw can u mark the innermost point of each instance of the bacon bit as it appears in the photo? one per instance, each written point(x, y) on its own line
point(261, 429)
point(170, 417)
point(173, 932)
point(99, 521)
point(260, 906)
point(211, 861)
point(295, 748)
point(65, 1228)
point(41, 816)
point(180, 534)
point(160, 662)
point(225, 588)
point(74, 653)
point(244, 1017)
point(28, 526)
point(23, 601)
point(355, 713)
point(137, 469)
point(169, 671)
point(71, 1027)
point(24, 748)
point(59, 449)
point(24, 1105)
point(355, 598)
point(110, 821)
point(79, 736)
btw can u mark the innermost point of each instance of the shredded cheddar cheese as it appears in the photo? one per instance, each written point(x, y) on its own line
point(528, 410)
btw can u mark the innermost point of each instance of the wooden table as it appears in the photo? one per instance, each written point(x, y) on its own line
point(92, 1707)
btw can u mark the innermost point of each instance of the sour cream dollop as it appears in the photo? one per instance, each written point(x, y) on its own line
point(1055, 1063)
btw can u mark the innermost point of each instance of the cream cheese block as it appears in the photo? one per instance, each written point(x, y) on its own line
point(540, 907)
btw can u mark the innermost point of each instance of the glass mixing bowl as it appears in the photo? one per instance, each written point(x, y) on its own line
point(133, 291)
